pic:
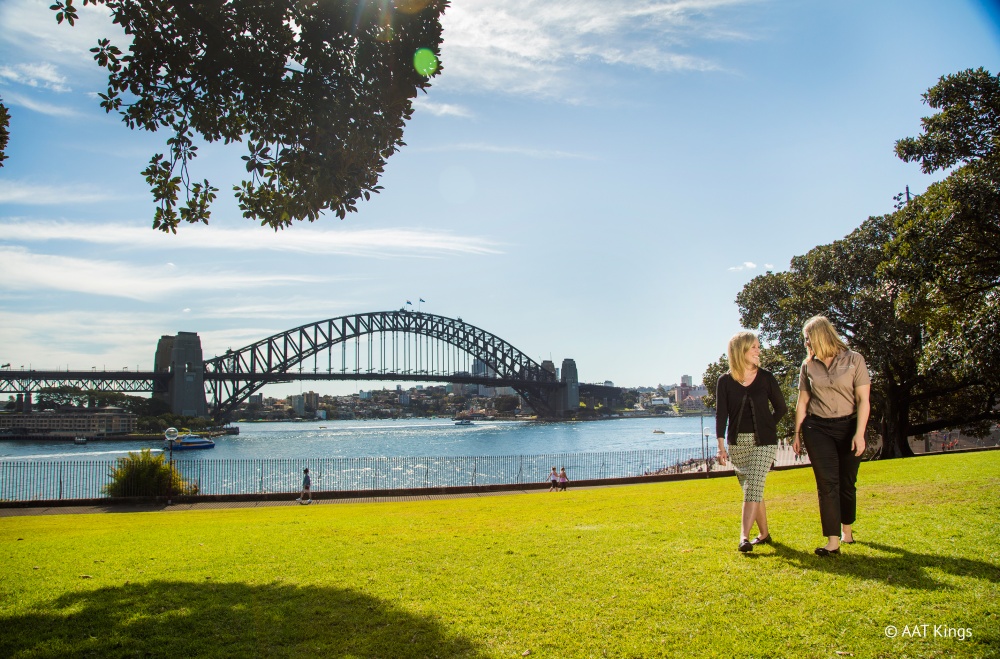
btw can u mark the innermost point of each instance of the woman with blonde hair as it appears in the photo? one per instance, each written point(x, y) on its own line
point(749, 401)
point(830, 417)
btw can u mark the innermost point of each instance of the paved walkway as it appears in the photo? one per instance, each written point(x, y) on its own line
point(221, 505)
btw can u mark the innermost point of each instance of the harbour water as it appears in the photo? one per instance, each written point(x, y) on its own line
point(399, 438)
point(268, 458)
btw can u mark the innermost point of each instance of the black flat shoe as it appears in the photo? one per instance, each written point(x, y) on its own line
point(766, 540)
point(745, 546)
point(823, 551)
point(846, 542)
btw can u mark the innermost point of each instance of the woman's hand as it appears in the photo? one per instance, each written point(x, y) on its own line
point(722, 455)
point(797, 446)
point(858, 444)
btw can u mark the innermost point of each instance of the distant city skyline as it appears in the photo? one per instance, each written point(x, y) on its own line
point(588, 180)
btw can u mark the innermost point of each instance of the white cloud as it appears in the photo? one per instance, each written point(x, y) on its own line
point(440, 109)
point(22, 270)
point(769, 266)
point(39, 74)
point(15, 192)
point(54, 339)
point(358, 242)
point(13, 98)
point(746, 265)
point(541, 48)
point(30, 26)
point(543, 154)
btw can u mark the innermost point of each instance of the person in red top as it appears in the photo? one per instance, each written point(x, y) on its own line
point(830, 417)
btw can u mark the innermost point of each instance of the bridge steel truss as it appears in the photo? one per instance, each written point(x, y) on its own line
point(387, 345)
point(123, 381)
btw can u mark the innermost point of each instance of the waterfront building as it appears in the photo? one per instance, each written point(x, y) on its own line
point(71, 422)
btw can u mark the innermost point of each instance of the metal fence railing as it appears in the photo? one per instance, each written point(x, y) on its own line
point(54, 480)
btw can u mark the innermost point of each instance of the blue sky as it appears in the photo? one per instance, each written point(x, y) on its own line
point(586, 179)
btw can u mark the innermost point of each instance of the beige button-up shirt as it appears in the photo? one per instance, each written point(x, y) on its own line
point(831, 390)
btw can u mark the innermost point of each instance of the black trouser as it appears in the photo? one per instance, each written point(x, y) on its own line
point(835, 466)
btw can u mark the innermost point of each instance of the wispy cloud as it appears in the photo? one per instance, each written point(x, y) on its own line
point(53, 339)
point(31, 25)
point(746, 265)
point(13, 98)
point(21, 269)
point(541, 48)
point(422, 104)
point(362, 242)
point(37, 74)
point(17, 192)
point(543, 154)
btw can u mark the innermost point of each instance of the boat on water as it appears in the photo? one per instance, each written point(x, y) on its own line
point(79, 440)
point(657, 432)
point(190, 442)
point(463, 422)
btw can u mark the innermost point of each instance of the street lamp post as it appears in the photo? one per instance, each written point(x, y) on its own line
point(170, 434)
point(705, 432)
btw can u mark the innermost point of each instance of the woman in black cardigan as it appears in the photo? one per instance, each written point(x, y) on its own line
point(742, 398)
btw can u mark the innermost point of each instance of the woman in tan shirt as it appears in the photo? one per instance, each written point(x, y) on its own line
point(830, 417)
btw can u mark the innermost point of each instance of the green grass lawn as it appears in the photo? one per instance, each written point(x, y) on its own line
point(636, 571)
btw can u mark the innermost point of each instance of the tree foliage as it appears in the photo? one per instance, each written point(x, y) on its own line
point(967, 128)
point(146, 475)
point(319, 89)
point(55, 397)
point(4, 131)
point(948, 247)
point(916, 292)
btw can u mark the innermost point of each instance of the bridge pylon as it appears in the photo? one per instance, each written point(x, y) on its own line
point(182, 357)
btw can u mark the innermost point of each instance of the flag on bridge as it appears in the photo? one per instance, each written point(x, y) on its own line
point(409, 303)
point(422, 300)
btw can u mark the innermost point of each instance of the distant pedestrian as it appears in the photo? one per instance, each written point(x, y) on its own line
point(553, 480)
point(306, 496)
point(563, 479)
point(749, 404)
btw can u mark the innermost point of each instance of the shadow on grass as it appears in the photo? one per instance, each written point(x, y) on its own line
point(181, 619)
point(900, 567)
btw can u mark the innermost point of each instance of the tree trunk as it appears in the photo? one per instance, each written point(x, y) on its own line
point(895, 427)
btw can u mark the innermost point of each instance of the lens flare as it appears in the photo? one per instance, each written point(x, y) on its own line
point(425, 62)
point(412, 6)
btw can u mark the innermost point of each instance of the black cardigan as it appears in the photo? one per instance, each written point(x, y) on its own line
point(729, 395)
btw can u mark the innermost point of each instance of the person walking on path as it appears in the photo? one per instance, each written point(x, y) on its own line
point(749, 404)
point(830, 417)
point(553, 480)
point(563, 479)
point(306, 496)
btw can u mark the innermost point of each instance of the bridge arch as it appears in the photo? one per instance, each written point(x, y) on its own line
point(411, 346)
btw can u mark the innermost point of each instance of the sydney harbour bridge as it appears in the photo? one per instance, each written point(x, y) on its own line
point(383, 345)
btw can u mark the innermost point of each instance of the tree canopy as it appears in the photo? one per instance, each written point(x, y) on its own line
point(319, 90)
point(916, 292)
point(4, 131)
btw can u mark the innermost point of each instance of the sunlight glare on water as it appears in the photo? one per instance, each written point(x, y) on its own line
point(405, 437)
